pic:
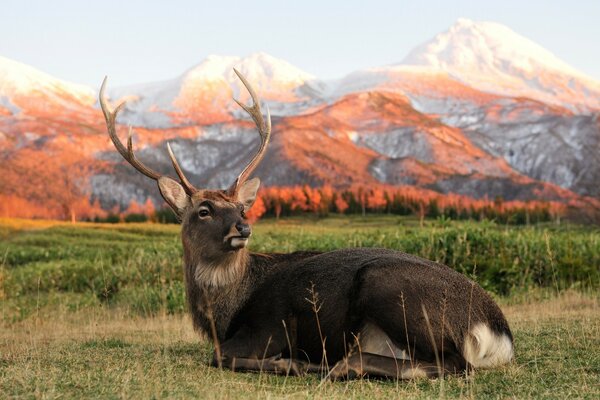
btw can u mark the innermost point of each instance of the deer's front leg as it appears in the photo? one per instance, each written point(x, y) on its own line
point(274, 364)
point(255, 350)
point(249, 350)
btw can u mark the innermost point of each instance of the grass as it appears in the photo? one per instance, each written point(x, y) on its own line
point(97, 310)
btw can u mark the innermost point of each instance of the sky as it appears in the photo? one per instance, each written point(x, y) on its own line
point(136, 41)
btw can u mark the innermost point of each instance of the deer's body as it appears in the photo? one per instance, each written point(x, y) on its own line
point(348, 312)
point(359, 296)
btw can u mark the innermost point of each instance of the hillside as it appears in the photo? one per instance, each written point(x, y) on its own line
point(478, 111)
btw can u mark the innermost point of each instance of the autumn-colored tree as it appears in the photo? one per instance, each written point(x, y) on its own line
point(149, 208)
point(376, 199)
point(298, 199)
point(313, 199)
point(56, 181)
point(340, 204)
point(327, 199)
point(15, 206)
point(134, 208)
point(257, 210)
point(275, 198)
point(361, 196)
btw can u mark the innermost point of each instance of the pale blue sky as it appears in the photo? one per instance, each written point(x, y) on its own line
point(140, 41)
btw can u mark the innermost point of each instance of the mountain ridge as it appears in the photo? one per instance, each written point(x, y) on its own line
point(416, 125)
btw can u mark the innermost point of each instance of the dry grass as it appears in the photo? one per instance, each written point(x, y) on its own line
point(60, 337)
point(103, 352)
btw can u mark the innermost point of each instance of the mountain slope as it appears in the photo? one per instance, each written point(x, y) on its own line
point(422, 125)
point(366, 139)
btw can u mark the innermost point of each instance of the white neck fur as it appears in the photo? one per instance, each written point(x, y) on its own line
point(224, 273)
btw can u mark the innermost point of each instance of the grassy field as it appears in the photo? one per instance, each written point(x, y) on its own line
point(92, 310)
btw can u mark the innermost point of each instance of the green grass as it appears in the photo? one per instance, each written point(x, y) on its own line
point(94, 310)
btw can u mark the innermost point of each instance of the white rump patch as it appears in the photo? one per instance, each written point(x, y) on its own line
point(375, 341)
point(485, 349)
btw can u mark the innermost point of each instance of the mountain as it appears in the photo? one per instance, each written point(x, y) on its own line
point(210, 85)
point(491, 57)
point(368, 139)
point(25, 89)
point(430, 123)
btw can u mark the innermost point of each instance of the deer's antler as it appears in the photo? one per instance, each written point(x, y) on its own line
point(264, 130)
point(127, 152)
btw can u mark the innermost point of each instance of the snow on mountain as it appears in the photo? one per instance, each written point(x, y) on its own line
point(424, 85)
point(268, 73)
point(478, 110)
point(491, 57)
point(24, 87)
point(203, 94)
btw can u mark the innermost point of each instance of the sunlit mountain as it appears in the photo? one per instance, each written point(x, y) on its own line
point(478, 111)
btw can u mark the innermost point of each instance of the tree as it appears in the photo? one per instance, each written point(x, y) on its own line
point(376, 200)
point(56, 181)
point(298, 199)
point(327, 199)
point(340, 204)
point(313, 199)
point(257, 210)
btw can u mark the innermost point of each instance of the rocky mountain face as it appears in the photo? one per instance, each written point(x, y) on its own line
point(478, 111)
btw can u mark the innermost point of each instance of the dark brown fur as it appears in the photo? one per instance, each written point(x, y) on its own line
point(351, 287)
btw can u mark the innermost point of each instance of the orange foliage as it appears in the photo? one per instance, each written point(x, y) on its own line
point(298, 199)
point(376, 199)
point(340, 204)
point(313, 199)
point(402, 200)
point(147, 208)
point(53, 182)
point(257, 210)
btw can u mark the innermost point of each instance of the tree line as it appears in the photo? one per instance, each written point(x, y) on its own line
point(277, 202)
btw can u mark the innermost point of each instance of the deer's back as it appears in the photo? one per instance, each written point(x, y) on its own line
point(332, 295)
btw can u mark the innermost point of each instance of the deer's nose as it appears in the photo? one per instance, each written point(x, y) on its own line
point(243, 229)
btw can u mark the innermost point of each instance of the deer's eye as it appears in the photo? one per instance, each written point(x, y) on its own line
point(203, 212)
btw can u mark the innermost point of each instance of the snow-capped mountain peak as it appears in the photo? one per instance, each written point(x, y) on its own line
point(484, 47)
point(214, 82)
point(21, 80)
point(203, 94)
point(494, 58)
point(262, 69)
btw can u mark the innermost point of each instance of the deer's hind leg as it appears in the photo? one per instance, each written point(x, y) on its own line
point(374, 365)
point(376, 355)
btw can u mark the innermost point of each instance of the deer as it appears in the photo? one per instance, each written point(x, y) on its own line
point(346, 313)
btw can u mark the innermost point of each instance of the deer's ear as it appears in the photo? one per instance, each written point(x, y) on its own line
point(174, 195)
point(247, 193)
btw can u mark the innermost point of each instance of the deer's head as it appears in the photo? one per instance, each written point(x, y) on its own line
point(214, 225)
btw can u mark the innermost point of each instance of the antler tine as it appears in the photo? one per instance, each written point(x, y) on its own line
point(127, 153)
point(189, 188)
point(264, 130)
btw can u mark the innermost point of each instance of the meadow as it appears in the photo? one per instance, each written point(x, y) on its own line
point(98, 310)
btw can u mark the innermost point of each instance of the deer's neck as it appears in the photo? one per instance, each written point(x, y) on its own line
point(213, 304)
point(223, 272)
point(217, 289)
